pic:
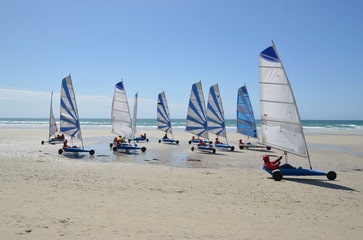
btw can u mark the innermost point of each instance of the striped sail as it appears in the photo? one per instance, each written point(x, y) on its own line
point(196, 117)
point(246, 123)
point(280, 120)
point(52, 124)
point(215, 113)
point(120, 114)
point(69, 120)
point(163, 115)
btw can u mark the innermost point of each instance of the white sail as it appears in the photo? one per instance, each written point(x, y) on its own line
point(196, 116)
point(215, 113)
point(134, 116)
point(52, 124)
point(163, 115)
point(69, 120)
point(120, 114)
point(280, 120)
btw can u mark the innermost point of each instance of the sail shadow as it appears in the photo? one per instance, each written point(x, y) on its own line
point(320, 183)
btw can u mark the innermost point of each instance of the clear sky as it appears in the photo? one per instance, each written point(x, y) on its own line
point(157, 45)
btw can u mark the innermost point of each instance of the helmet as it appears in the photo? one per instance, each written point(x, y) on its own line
point(266, 158)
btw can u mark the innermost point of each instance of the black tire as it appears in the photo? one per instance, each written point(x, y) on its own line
point(159, 141)
point(277, 175)
point(42, 142)
point(114, 149)
point(241, 147)
point(111, 145)
point(268, 148)
point(331, 175)
point(214, 150)
point(91, 152)
point(177, 142)
point(192, 149)
point(190, 142)
point(147, 140)
point(60, 151)
point(143, 149)
point(232, 148)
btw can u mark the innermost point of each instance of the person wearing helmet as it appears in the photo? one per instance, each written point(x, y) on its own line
point(271, 165)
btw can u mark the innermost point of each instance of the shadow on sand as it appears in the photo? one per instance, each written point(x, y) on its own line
point(320, 183)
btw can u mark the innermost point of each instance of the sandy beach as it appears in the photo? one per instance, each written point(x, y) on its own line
point(170, 192)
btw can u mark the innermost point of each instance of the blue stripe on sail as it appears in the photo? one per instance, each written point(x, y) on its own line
point(199, 101)
point(70, 113)
point(66, 90)
point(202, 118)
point(269, 54)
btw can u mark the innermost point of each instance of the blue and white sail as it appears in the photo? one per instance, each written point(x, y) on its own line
point(120, 114)
point(69, 120)
point(163, 115)
point(215, 113)
point(246, 123)
point(280, 119)
point(196, 117)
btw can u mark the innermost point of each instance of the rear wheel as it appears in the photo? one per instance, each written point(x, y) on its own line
point(214, 150)
point(192, 149)
point(114, 149)
point(159, 141)
point(232, 148)
point(268, 148)
point(277, 175)
point(111, 144)
point(42, 142)
point(60, 151)
point(177, 141)
point(190, 142)
point(241, 147)
point(147, 140)
point(331, 175)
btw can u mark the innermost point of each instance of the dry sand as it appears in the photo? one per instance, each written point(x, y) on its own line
point(169, 192)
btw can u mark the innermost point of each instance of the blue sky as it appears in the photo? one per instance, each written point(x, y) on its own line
point(168, 45)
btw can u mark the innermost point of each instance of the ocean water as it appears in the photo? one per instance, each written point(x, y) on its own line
point(179, 124)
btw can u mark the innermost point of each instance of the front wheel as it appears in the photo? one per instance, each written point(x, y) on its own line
point(114, 149)
point(232, 148)
point(159, 141)
point(143, 149)
point(241, 147)
point(60, 151)
point(177, 142)
point(111, 145)
point(214, 150)
point(277, 175)
point(268, 148)
point(192, 149)
point(91, 152)
point(331, 175)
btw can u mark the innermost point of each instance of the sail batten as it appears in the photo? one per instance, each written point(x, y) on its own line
point(280, 119)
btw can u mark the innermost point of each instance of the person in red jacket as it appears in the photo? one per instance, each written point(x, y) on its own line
point(271, 165)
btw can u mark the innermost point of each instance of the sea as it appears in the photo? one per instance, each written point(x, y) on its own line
point(179, 124)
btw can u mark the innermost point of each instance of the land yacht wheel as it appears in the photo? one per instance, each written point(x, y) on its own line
point(331, 175)
point(277, 175)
